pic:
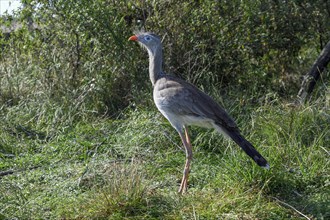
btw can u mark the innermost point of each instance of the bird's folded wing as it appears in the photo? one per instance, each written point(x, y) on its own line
point(189, 100)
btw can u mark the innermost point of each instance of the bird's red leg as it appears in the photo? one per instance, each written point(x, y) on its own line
point(187, 136)
point(186, 143)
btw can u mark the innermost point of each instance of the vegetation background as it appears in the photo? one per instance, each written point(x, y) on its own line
point(81, 139)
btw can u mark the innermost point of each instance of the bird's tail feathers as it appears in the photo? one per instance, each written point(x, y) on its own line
point(246, 146)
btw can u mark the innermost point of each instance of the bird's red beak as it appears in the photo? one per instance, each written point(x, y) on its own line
point(133, 38)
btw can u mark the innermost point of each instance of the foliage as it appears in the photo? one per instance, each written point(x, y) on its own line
point(78, 44)
point(79, 138)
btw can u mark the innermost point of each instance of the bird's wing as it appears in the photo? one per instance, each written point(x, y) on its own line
point(187, 99)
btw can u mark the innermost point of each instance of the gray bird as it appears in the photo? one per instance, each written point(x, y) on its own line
point(183, 104)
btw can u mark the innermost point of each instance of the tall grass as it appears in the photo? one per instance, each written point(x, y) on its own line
point(67, 164)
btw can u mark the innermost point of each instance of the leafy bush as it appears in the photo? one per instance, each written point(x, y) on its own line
point(69, 49)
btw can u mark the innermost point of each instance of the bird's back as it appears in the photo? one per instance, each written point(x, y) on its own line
point(184, 104)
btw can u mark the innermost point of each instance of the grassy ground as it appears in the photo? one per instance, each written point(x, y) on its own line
point(58, 163)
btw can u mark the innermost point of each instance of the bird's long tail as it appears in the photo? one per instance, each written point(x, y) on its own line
point(247, 147)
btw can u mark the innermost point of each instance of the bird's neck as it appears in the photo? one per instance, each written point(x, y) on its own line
point(155, 65)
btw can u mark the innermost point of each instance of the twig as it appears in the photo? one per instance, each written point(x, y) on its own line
point(290, 206)
point(9, 172)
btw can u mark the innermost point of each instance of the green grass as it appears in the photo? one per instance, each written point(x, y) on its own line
point(67, 165)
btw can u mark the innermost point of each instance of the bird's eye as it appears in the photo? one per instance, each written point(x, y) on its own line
point(147, 38)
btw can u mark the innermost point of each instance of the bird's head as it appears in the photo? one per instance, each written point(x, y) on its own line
point(150, 41)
